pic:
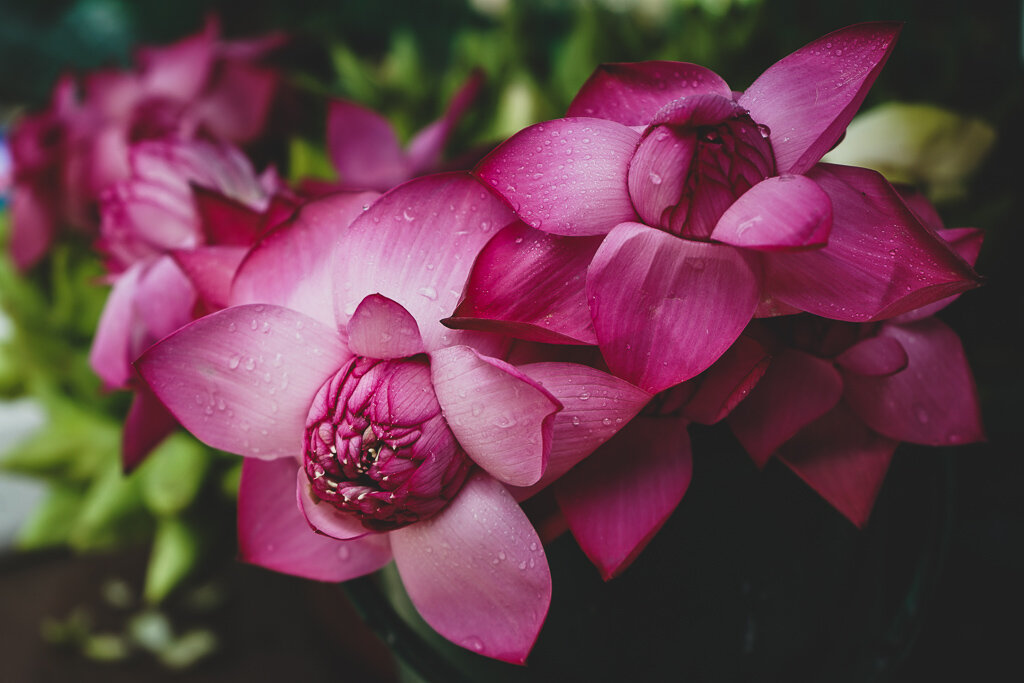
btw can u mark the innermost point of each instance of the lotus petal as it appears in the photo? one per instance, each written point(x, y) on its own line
point(782, 213)
point(875, 356)
point(381, 328)
point(210, 271)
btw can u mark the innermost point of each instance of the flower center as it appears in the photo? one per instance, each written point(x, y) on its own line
point(377, 446)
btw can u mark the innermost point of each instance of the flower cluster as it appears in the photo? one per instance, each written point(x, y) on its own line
point(404, 362)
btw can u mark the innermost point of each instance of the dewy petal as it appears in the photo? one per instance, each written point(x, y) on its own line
point(619, 497)
point(501, 418)
point(110, 345)
point(381, 328)
point(932, 401)
point(632, 93)
point(147, 424)
point(321, 515)
point(595, 406)
point(363, 147)
point(416, 245)
point(210, 270)
point(531, 285)
point(659, 170)
point(796, 390)
point(808, 98)
point(728, 381)
point(567, 176)
point(477, 572)
point(966, 242)
point(289, 266)
point(665, 308)
point(875, 357)
point(841, 459)
point(782, 213)
point(879, 262)
point(242, 379)
point(273, 533)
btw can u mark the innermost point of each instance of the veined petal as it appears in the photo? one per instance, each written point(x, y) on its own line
point(242, 379)
point(273, 533)
point(147, 424)
point(501, 418)
point(728, 381)
point(808, 98)
point(210, 270)
point(879, 262)
point(324, 517)
point(632, 93)
point(477, 572)
point(566, 176)
point(932, 401)
point(796, 390)
point(842, 460)
point(658, 171)
point(381, 328)
point(530, 285)
point(289, 266)
point(416, 245)
point(875, 357)
point(782, 213)
point(966, 242)
point(666, 308)
point(619, 497)
point(363, 147)
point(595, 406)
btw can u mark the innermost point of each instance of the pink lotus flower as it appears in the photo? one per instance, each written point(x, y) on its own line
point(68, 154)
point(693, 209)
point(399, 434)
point(174, 233)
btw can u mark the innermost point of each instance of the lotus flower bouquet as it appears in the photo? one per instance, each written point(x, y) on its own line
point(447, 370)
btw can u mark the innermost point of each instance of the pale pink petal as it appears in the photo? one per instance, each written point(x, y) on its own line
point(617, 499)
point(324, 517)
point(841, 459)
point(416, 245)
point(932, 401)
point(501, 418)
point(477, 572)
point(273, 533)
point(381, 328)
point(595, 406)
point(110, 345)
point(210, 270)
point(728, 381)
point(147, 424)
point(875, 356)
point(163, 302)
point(808, 98)
point(363, 147)
point(530, 285)
point(242, 379)
point(879, 262)
point(632, 93)
point(566, 176)
point(180, 71)
point(966, 242)
point(783, 213)
point(665, 308)
point(796, 390)
point(289, 266)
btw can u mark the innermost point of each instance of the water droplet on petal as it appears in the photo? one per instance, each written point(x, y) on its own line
point(655, 178)
point(428, 292)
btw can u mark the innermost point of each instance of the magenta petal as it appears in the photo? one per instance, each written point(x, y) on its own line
point(808, 98)
point(243, 379)
point(273, 533)
point(841, 459)
point(210, 271)
point(529, 284)
point(966, 242)
point(238, 101)
point(363, 147)
point(787, 212)
point(289, 267)
point(501, 418)
point(796, 390)
point(324, 517)
point(164, 301)
point(477, 573)
point(381, 328)
point(618, 498)
point(875, 356)
point(32, 226)
point(632, 93)
point(425, 149)
point(416, 245)
point(728, 381)
point(879, 262)
point(665, 308)
point(147, 424)
point(932, 401)
point(659, 170)
point(225, 220)
point(110, 345)
point(595, 406)
point(567, 176)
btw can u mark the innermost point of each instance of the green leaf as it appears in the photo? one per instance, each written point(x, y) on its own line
point(172, 476)
point(51, 522)
point(306, 160)
point(112, 514)
point(176, 551)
